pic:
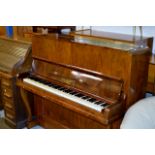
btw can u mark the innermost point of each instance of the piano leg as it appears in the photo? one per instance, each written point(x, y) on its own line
point(30, 121)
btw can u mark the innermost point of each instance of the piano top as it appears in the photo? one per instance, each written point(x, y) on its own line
point(109, 35)
point(106, 43)
point(112, 40)
point(103, 42)
point(11, 52)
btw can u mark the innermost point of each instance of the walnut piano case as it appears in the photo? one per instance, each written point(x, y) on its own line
point(14, 59)
point(101, 70)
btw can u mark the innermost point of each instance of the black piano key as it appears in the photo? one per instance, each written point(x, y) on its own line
point(62, 88)
point(47, 83)
point(50, 85)
point(104, 105)
point(76, 94)
point(31, 77)
point(69, 91)
point(98, 102)
point(92, 100)
point(79, 95)
point(65, 90)
point(73, 93)
point(34, 78)
point(56, 87)
point(85, 97)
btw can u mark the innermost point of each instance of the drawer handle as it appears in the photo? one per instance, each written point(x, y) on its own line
point(10, 116)
point(5, 83)
point(8, 105)
point(7, 95)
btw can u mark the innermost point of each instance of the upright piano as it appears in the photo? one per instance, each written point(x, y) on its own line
point(15, 58)
point(82, 82)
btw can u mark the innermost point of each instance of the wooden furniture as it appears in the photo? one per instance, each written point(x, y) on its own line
point(101, 69)
point(2, 30)
point(55, 29)
point(13, 60)
point(151, 75)
point(23, 32)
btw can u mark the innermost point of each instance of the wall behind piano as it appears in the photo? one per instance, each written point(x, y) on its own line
point(148, 31)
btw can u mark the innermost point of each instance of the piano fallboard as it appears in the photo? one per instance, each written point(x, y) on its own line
point(92, 83)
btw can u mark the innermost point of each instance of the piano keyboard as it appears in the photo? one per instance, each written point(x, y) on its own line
point(67, 93)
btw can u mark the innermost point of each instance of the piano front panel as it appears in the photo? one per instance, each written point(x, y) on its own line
point(107, 61)
point(52, 115)
point(51, 49)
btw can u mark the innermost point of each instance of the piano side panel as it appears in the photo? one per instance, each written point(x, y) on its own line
point(139, 75)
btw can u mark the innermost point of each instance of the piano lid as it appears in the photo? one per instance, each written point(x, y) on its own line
point(109, 39)
point(11, 52)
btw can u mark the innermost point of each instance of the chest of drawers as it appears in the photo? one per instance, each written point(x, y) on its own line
point(15, 58)
point(15, 115)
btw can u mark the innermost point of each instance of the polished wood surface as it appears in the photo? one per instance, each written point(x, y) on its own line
point(128, 65)
point(2, 30)
point(104, 69)
point(15, 58)
point(114, 36)
point(151, 75)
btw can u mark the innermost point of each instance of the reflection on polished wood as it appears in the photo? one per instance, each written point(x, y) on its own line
point(95, 68)
point(115, 37)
